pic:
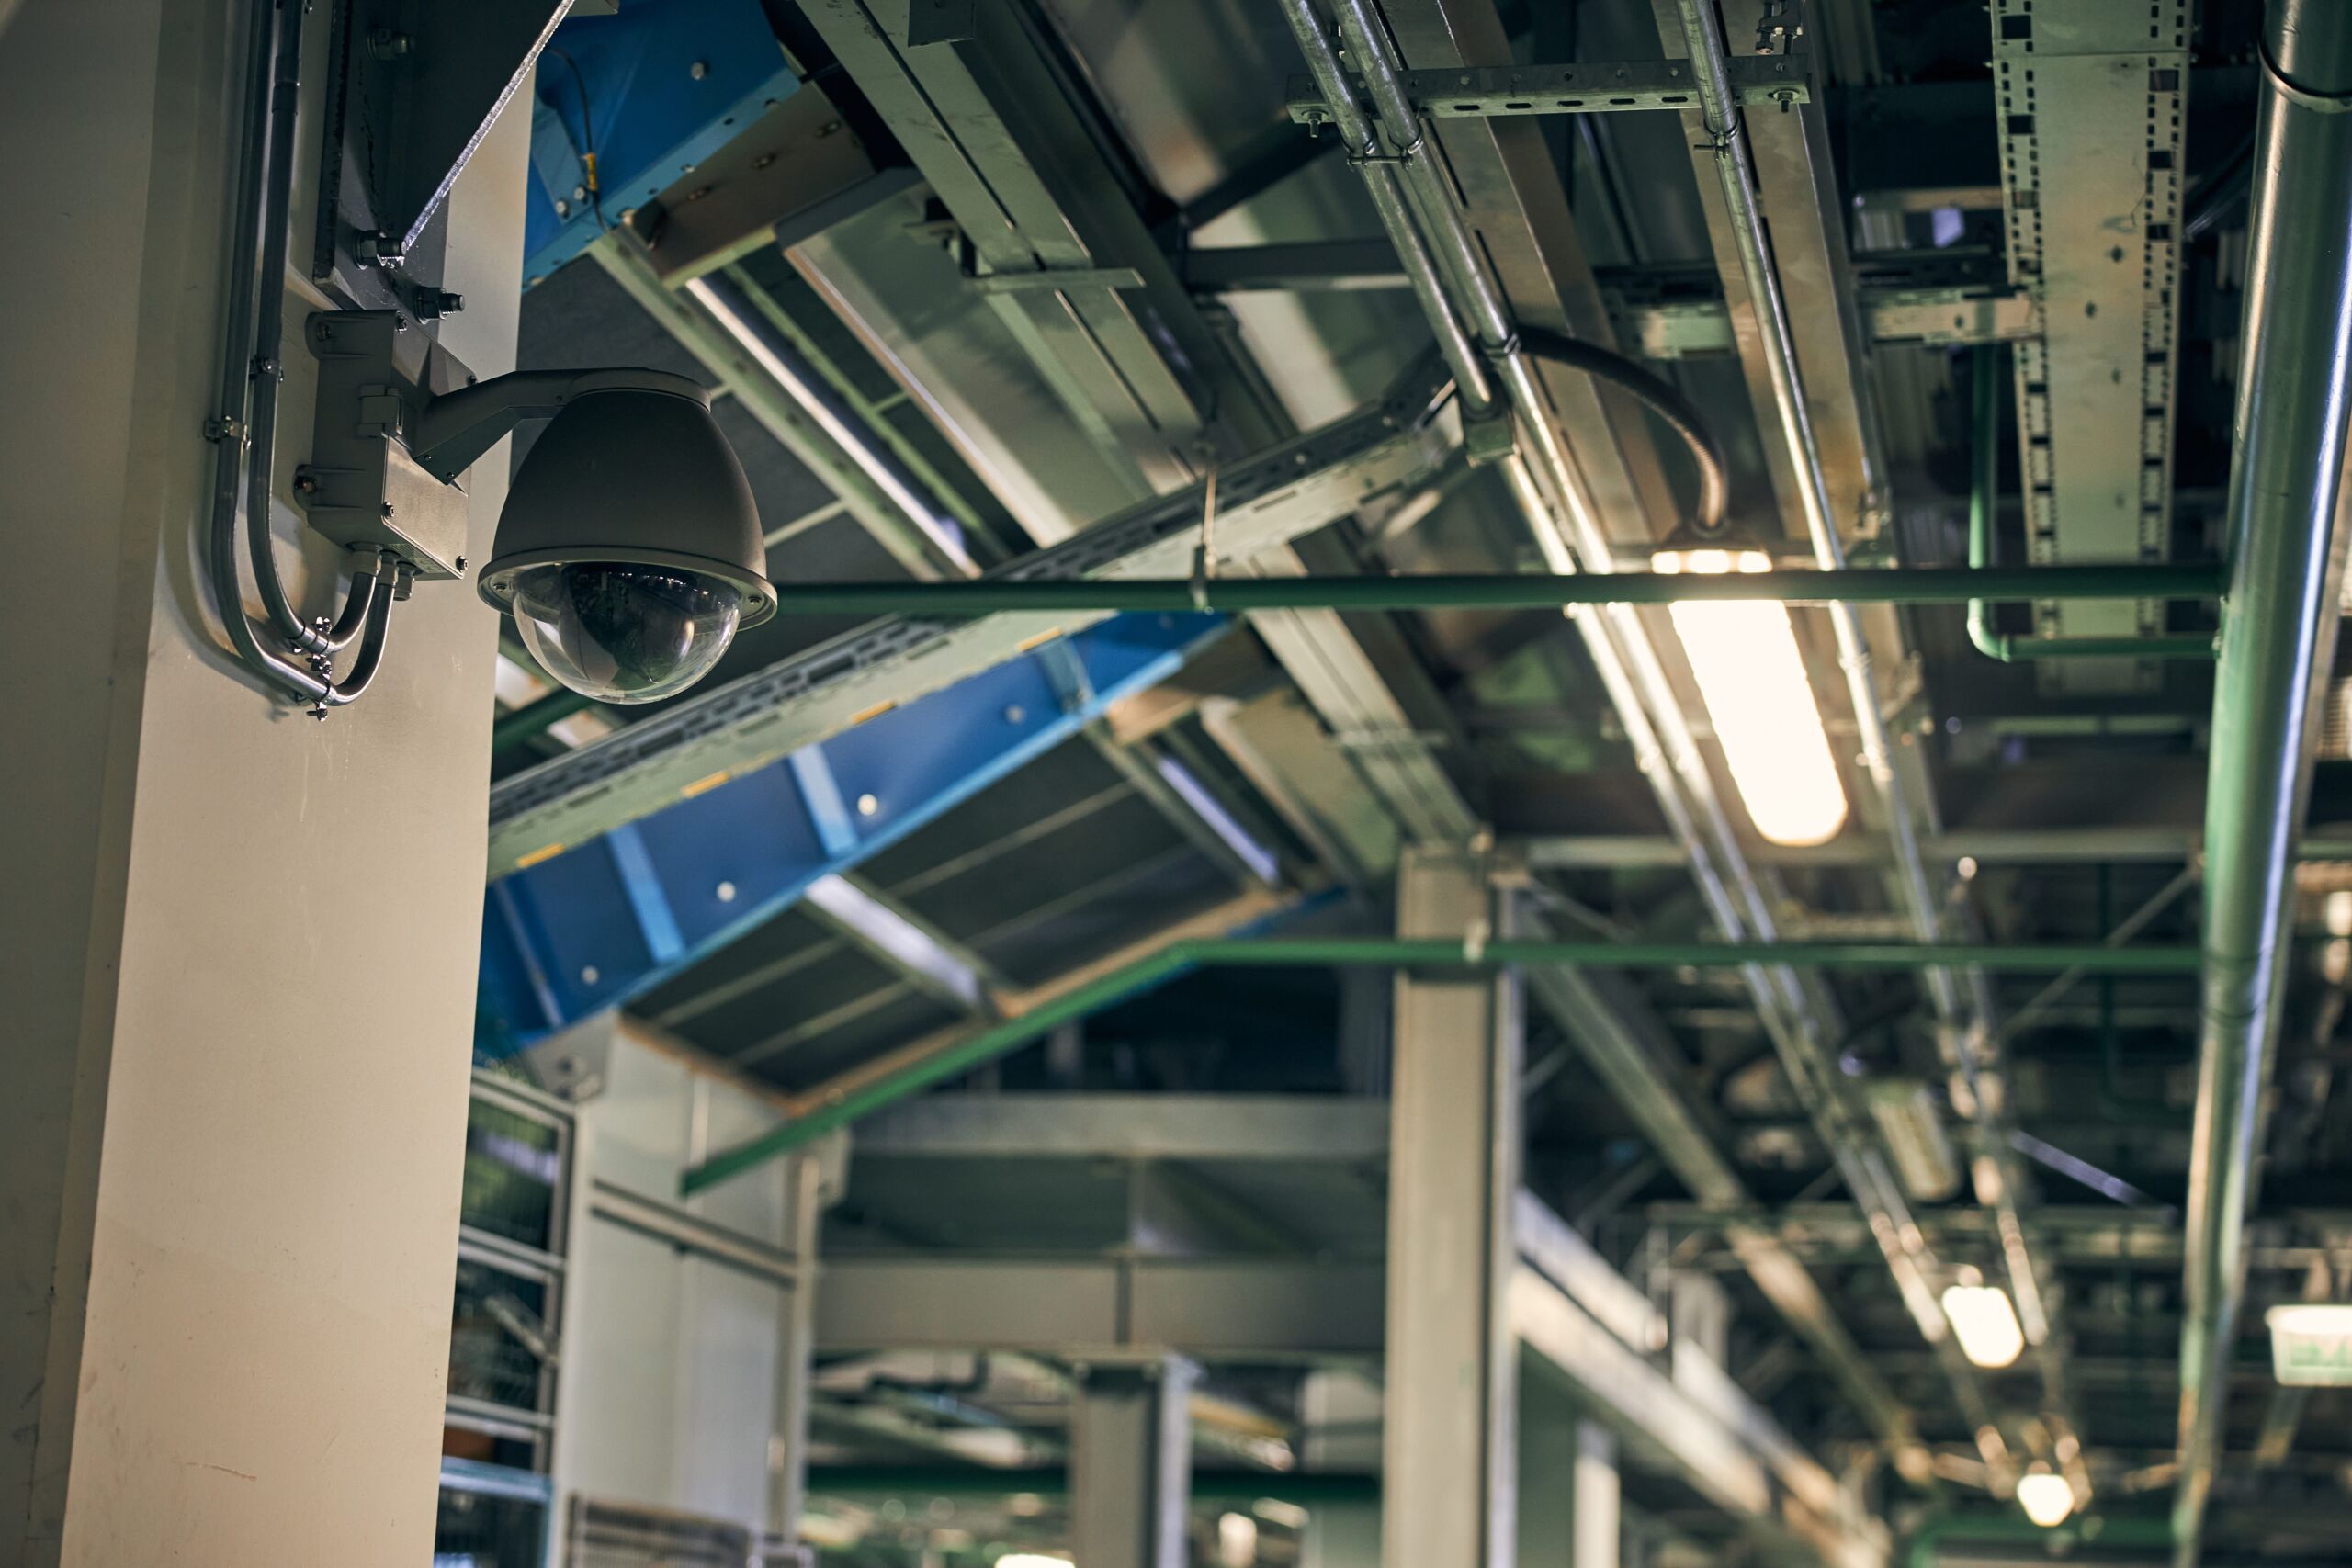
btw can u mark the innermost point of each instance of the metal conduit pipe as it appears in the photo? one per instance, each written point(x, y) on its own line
point(1796, 1011)
point(245, 428)
point(1969, 1044)
point(2285, 473)
point(1488, 590)
point(1388, 201)
point(1617, 642)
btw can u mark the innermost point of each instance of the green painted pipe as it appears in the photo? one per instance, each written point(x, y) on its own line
point(1983, 490)
point(512, 728)
point(876, 1483)
point(997, 1040)
point(1501, 591)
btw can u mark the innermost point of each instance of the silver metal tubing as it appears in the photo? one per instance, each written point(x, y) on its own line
point(1793, 1009)
point(269, 325)
point(263, 181)
point(1388, 201)
point(1968, 1040)
point(247, 421)
point(2285, 471)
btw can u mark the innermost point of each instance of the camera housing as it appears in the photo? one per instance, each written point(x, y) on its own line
point(629, 550)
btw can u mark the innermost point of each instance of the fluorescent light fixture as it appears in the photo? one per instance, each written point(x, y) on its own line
point(886, 930)
point(2311, 1344)
point(733, 317)
point(1744, 655)
point(1913, 1130)
point(2046, 1497)
point(1986, 1323)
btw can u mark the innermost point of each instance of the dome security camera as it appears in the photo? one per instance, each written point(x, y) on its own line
point(629, 550)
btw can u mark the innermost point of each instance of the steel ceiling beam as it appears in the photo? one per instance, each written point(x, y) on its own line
point(1825, 426)
point(1729, 1450)
point(1161, 962)
point(575, 932)
point(1566, 519)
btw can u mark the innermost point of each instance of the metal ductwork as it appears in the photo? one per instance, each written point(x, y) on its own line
point(2285, 476)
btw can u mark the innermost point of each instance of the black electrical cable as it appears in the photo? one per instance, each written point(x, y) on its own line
point(1653, 394)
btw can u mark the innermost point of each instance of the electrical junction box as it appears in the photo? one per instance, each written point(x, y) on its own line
point(361, 485)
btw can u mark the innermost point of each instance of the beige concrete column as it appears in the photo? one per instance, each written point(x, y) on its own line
point(237, 946)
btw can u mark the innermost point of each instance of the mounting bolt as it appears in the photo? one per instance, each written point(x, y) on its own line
point(461, 563)
point(434, 303)
point(763, 160)
point(698, 70)
point(386, 512)
point(381, 249)
point(562, 208)
point(305, 483)
point(384, 43)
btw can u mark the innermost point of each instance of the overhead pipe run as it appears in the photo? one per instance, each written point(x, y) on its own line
point(1798, 1013)
point(2286, 471)
point(1969, 1046)
point(1291, 952)
point(1502, 590)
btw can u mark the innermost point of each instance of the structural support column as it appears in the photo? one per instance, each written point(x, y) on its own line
point(237, 947)
point(1452, 1373)
point(805, 1199)
point(1569, 1514)
point(1131, 1465)
point(1339, 1409)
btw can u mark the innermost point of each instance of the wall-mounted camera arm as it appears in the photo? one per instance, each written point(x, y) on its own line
point(456, 428)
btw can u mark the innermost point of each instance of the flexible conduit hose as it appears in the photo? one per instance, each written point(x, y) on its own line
point(1654, 393)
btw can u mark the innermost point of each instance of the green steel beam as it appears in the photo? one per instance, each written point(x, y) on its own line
point(1915, 585)
point(878, 1482)
point(988, 1045)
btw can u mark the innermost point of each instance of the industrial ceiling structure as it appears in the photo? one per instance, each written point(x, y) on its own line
point(1195, 442)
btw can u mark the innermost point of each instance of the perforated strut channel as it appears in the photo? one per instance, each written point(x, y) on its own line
point(2092, 97)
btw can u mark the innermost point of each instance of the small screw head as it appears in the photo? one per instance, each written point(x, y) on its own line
point(562, 208)
point(579, 193)
point(867, 806)
point(461, 563)
point(763, 160)
point(387, 510)
point(698, 70)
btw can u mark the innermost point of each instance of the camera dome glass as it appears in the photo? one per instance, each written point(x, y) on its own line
point(624, 633)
